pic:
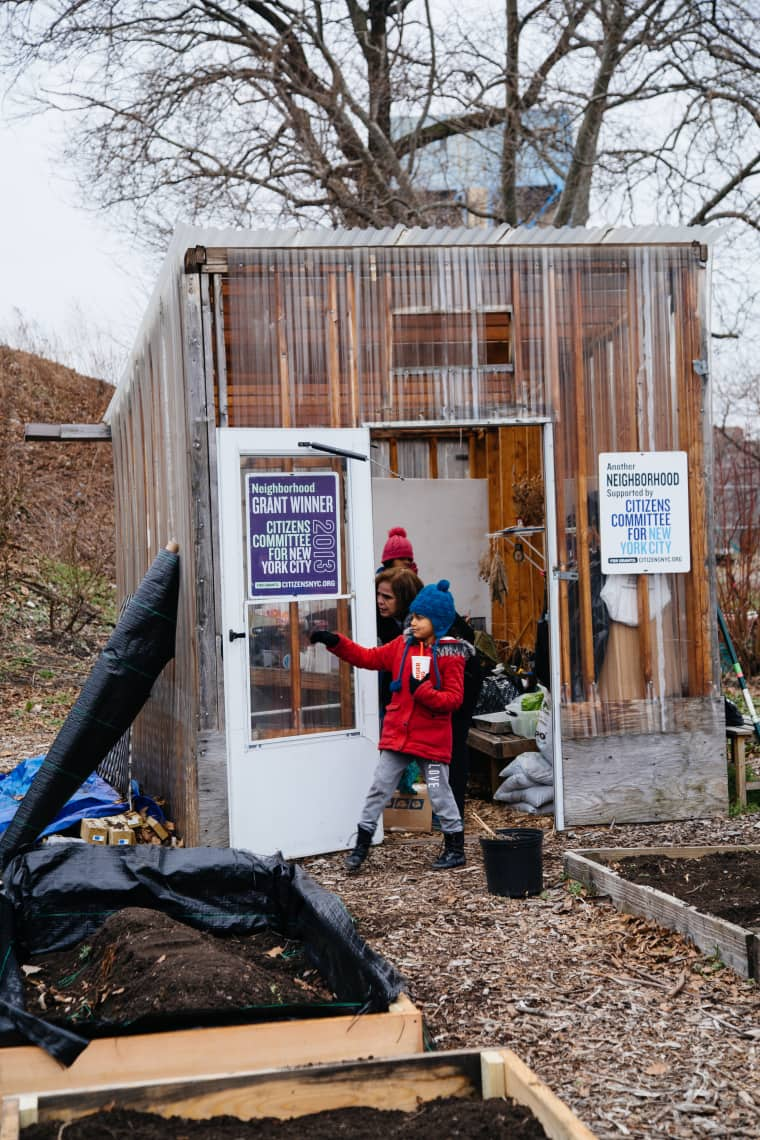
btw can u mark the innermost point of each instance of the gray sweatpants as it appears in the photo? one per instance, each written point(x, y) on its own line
point(385, 781)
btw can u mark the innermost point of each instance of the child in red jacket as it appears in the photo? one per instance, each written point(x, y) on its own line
point(428, 684)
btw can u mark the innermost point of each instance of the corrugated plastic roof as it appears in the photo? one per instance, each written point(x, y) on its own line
point(452, 235)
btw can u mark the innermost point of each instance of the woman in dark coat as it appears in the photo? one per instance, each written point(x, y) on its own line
point(395, 589)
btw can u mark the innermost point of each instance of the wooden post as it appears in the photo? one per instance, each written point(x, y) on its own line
point(333, 352)
point(495, 522)
point(351, 335)
point(581, 507)
point(294, 639)
point(220, 356)
point(391, 412)
point(634, 442)
point(701, 544)
point(283, 370)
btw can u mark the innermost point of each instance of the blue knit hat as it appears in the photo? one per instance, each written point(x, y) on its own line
point(436, 603)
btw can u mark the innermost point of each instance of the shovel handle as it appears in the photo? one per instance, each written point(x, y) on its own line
point(482, 823)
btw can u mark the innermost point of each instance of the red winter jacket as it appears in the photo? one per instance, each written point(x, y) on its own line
point(418, 723)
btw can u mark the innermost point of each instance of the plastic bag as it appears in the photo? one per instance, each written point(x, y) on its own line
point(496, 693)
point(536, 796)
point(530, 809)
point(544, 729)
point(54, 897)
point(526, 769)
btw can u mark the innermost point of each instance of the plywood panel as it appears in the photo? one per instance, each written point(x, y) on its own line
point(233, 1048)
point(446, 521)
point(652, 776)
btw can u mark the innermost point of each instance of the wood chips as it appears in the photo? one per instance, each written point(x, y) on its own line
point(632, 1027)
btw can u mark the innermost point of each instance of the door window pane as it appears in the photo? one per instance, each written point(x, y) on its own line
point(414, 458)
point(296, 687)
point(453, 459)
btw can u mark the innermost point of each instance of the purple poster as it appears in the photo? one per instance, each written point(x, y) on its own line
point(292, 535)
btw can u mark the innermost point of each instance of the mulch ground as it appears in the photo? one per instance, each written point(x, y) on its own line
point(451, 1117)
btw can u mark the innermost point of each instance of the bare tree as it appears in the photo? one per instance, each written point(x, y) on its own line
point(245, 111)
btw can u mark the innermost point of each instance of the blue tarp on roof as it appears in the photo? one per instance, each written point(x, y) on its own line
point(94, 798)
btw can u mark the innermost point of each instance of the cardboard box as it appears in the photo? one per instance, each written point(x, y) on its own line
point(121, 837)
point(93, 831)
point(409, 813)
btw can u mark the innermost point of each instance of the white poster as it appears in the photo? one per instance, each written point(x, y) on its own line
point(644, 512)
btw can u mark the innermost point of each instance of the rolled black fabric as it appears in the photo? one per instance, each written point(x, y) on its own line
point(112, 696)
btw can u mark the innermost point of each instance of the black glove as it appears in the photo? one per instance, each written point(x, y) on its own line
point(324, 637)
point(414, 684)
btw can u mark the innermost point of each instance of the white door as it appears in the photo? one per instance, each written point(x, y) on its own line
point(296, 545)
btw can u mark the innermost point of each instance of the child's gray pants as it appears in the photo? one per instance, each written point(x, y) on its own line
point(385, 781)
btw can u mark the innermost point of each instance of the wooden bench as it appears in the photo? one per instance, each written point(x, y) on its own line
point(736, 738)
point(495, 749)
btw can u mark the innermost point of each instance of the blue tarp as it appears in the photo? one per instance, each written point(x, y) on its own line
point(94, 798)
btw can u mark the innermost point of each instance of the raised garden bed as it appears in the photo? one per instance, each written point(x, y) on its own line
point(211, 1108)
point(265, 968)
point(708, 894)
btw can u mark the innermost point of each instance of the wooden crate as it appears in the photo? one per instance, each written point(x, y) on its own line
point(738, 948)
point(398, 1083)
point(180, 1054)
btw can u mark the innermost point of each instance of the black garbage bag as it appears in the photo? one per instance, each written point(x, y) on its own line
point(54, 897)
point(733, 713)
point(112, 696)
point(497, 690)
point(600, 624)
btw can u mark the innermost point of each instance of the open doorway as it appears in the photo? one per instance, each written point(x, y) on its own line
point(456, 488)
point(473, 503)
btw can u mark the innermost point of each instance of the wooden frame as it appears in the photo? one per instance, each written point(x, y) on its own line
point(187, 1053)
point(402, 1083)
point(737, 947)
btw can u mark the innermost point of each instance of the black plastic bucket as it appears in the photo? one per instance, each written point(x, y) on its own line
point(513, 862)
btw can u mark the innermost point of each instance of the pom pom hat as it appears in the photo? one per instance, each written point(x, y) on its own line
point(436, 604)
point(397, 545)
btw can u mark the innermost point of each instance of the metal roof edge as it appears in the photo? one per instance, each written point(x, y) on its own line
point(408, 237)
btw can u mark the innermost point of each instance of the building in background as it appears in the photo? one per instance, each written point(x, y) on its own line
point(468, 168)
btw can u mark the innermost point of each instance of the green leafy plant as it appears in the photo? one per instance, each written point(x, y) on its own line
point(712, 964)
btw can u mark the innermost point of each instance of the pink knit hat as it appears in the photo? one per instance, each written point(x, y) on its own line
point(397, 545)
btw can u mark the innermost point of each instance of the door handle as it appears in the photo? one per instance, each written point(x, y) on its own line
point(234, 635)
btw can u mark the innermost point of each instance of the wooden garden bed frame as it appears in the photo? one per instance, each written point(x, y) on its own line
point(188, 1053)
point(398, 1083)
point(738, 947)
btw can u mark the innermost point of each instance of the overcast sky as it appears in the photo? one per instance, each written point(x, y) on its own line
point(69, 271)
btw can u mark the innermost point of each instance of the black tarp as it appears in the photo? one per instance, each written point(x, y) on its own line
point(112, 696)
point(54, 897)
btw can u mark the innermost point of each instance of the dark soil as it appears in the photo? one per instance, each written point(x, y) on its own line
point(141, 963)
point(726, 884)
point(452, 1117)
